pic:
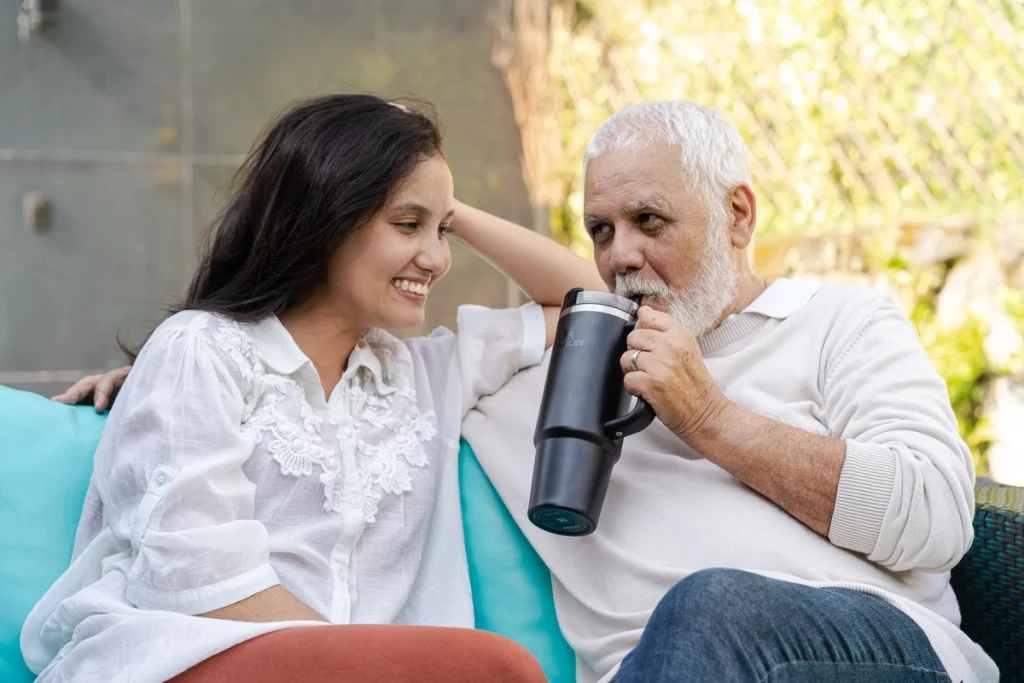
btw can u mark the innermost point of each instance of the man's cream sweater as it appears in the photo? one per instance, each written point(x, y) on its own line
point(839, 361)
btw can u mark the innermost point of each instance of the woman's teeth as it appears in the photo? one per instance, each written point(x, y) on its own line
point(408, 286)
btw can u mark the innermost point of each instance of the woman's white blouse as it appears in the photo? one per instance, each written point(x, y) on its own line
point(223, 471)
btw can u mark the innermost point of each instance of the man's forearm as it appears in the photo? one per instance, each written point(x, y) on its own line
point(273, 604)
point(796, 470)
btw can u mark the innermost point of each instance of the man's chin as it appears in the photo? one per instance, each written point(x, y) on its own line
point(655, 302)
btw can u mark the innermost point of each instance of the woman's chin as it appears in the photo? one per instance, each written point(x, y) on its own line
point(402, 321)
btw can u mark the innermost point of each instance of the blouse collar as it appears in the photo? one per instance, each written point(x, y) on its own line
point(376, 348)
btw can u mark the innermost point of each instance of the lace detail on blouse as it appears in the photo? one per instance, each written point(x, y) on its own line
point(385, 431)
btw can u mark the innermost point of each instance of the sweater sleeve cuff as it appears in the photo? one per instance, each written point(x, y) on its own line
point(865, 489)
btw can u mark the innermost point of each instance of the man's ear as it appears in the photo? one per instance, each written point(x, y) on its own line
point(743, 212)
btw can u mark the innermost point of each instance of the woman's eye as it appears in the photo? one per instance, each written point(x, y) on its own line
point(412, 227)
point(445, 230)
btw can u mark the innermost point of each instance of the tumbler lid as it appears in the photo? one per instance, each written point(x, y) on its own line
point(578, 297)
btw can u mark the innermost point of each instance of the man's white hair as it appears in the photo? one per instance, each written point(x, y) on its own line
point(714, 157)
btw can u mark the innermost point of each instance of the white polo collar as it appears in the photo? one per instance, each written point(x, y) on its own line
point(781, 299)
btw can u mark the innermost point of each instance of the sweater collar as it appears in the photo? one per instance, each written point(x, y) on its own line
point(781, 299)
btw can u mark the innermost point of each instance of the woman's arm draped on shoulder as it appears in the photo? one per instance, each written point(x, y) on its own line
point(544, 269)
point(170, 462)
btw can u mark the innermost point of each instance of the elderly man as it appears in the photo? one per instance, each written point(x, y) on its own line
point(794, 512)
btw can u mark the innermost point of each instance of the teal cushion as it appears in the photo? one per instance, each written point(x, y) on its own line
point(45, 464)
point(511, 585)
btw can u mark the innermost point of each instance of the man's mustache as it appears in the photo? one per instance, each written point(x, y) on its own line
point(631, 286)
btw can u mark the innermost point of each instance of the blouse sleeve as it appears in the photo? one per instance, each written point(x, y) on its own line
point(494, 344)
point(170, 466)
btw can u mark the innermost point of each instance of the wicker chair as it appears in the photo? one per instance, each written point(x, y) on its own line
point(989, 581)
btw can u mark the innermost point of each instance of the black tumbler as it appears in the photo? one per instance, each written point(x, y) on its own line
point(582, 418)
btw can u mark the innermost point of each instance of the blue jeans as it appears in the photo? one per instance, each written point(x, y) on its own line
point(730, 626)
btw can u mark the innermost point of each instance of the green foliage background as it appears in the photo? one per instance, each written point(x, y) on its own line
point(859, 114)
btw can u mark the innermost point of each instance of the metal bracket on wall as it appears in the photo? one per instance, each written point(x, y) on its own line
point(36, 211)
point(33, 15)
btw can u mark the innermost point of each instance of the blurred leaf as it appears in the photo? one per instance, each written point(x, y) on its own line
point(850, 109)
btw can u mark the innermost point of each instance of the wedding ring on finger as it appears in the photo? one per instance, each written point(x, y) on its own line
point(632, 359)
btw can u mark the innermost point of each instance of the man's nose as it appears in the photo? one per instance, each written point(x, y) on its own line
point(626, 251)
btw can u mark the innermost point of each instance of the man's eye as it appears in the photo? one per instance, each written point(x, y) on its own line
point(645, 218)
point(599, 229)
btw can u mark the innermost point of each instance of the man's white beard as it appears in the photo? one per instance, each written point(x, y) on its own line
point(701, 303)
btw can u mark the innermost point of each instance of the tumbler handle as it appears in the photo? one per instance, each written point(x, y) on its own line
point(637, 419)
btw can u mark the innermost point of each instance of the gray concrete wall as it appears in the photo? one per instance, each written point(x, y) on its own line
point(132, 115)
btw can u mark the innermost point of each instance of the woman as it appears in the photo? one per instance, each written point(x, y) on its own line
point(276, 461)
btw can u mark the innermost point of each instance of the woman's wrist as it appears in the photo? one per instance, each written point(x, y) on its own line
point(469, 221)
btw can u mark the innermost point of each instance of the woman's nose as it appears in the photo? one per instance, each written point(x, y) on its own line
point(433, 255)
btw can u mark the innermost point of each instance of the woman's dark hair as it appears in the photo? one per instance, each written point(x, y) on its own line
point(319, 173)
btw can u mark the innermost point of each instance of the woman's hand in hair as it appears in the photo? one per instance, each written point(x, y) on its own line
point(100, 390)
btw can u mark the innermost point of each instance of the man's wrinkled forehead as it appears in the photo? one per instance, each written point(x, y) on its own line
point(653, 170)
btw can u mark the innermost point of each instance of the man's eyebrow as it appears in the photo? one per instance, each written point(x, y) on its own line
point(647, 203)
point(652, 203)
